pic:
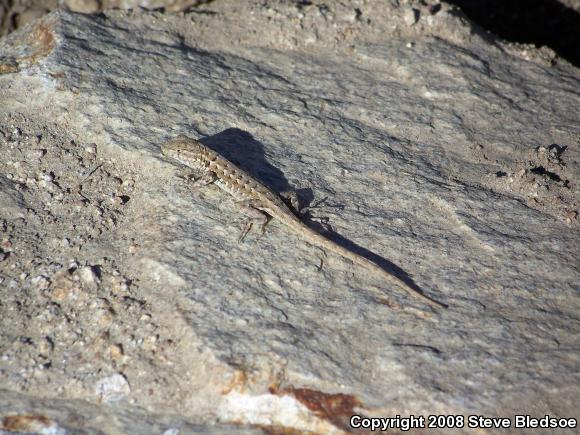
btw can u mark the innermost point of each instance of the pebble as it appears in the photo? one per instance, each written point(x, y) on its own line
point(571, 215)
point(112, 389)
point(87, 275)
point(40, 282)
point(116, 351)
point(45, 346)
point(16, 133)
point(116, 200)
point(38, 153)
point(411, 16)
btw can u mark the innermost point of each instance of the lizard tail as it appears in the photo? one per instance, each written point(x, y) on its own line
point(323, 242)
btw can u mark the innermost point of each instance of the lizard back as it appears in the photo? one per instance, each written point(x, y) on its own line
point(229, 177)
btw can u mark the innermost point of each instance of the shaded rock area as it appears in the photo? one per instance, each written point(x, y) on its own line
point(410, 137)
point(552, 23)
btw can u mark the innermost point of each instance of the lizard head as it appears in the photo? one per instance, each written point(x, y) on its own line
point(183, 149)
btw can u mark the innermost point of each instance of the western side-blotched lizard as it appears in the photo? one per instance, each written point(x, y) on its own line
point(259, 199)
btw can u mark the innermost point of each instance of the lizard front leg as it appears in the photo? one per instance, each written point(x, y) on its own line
point(207, 178)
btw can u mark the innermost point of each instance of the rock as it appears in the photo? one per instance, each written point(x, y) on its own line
point(438, 151)
point(22, 414)
point(11, 200)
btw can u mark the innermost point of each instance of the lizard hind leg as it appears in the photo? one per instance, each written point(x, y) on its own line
point(253, 216)
point(247, 227)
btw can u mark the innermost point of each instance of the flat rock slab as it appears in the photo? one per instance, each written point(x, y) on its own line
point(446, 156)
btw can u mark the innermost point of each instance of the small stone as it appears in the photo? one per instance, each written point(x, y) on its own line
point(48, 177)
point(16, 133)
point(40, 282)
point(88, 276)
point(571, 215)
point(38, 154)
point(116, 351)
point(112, 389)
point(411, 16)
point(104, 318)
point(116, 200)
point(91, 149)
point(80, 201)
point(45, 346)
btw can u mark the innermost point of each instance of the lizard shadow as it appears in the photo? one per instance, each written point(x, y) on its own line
point(242, 149)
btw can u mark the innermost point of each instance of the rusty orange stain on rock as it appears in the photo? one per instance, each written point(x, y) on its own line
point(44, 35)
point(41, 41)
point(336, 408)
point(279, 430)
point(38, 43)
point(25, 423)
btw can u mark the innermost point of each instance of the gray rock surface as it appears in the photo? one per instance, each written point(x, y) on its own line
point(447, 156)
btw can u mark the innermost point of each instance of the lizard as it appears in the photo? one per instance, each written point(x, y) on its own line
point(261, 202)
